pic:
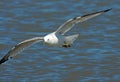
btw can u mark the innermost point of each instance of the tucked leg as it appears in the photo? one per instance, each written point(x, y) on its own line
point(66, 45)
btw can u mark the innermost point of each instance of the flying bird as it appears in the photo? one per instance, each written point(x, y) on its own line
point(56, 38)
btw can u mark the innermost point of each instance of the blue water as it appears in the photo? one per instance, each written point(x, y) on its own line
point(94, 57)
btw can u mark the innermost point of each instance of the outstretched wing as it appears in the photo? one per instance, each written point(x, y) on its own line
point(20, 47)
point(70, 23)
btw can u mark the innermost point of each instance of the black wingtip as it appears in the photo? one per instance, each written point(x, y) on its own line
point(3, 60)
point(107, 10)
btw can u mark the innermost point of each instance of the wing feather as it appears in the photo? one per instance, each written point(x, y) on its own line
point(20, 47)
point(70, 23)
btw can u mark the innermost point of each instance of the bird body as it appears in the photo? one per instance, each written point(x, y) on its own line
point(56, 38)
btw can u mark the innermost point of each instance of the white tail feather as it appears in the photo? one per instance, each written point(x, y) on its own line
point(70, 39)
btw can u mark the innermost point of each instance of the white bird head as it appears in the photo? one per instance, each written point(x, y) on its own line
point(51, 39)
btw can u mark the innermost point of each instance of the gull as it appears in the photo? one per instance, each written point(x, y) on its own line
point(56, 38)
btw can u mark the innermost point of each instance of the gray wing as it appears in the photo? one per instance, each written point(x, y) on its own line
point(70, 23)
point(20, 47)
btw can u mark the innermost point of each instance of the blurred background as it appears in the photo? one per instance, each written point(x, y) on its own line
point(94, 57)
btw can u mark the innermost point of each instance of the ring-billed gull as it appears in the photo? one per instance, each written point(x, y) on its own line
point(56, 38)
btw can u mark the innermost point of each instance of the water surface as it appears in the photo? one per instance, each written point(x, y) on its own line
point(94, 57)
